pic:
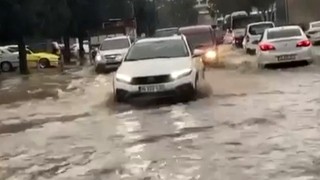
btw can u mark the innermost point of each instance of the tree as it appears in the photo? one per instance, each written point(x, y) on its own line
point(177, 13)
point(229, 6)
point(19, 20)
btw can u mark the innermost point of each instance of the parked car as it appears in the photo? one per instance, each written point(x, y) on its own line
point(76, 47)
point(8, 61)
point(43, 59)
point(159, 67)
point(111, 53)
point(313, 32)
point(204, 39)
point(253, 34)
point(284, 44)
point(166, 32)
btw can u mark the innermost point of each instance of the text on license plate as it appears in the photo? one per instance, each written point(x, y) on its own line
point(287, 57)
point(151, 88)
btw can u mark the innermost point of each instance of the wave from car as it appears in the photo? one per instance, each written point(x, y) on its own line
point(282, 45)
point(159, 67)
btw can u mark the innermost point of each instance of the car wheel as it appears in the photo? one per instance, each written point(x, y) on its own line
point(6, 67)
point(119, 97)
point(44, 63)
point(247, 51)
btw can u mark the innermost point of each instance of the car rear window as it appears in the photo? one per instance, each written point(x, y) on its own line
point(315, 25)
point(284, 33)
point(259, 28)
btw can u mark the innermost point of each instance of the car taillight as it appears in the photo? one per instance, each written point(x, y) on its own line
point(248, 38)
point(304, 43)
point(266, 47)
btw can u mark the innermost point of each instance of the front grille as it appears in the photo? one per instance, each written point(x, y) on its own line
point(151, 79)
point(111, 57)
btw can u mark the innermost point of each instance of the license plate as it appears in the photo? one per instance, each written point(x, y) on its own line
point(151, 88)
point(287, 57)
point(111, 60)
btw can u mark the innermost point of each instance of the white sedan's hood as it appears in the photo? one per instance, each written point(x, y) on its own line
point(154, 67)
point(113, 52)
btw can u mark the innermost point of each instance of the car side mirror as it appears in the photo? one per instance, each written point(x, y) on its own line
point(197, 53)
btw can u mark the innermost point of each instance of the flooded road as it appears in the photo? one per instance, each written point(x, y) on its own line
point(251, 125)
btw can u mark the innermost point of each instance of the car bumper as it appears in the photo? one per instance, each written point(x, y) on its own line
point(251, 46)
point(107, 66)
point(171, 89)
point(265, 58)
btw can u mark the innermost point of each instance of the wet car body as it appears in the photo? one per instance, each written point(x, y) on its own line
point(162, 73)
point(203, 38)
point(8, 61)
point(253, 35)
point(111, 52)
point(284, 44)
point(314, 32)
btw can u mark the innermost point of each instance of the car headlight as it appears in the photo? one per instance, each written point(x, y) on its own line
point(211, 55)
point(123, 78)
point(181, 73)
point(119, 58)
point(98, 57)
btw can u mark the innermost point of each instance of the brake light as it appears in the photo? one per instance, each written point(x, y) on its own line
point(247, 38)
point(304, 43)
point(266, 47)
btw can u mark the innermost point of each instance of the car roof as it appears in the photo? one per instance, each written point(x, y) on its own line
point(177, 37)
point(283, 28)
point(314, 22)
point(195, 29)
point(259, 23)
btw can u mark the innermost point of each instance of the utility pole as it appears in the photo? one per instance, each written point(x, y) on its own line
point(286, 10)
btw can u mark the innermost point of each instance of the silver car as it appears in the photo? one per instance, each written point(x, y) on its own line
point(9, 61)
point(282, 45)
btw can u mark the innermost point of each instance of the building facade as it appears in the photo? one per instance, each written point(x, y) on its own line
point(297, 11)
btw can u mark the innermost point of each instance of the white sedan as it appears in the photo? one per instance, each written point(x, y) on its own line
point(159, 67)
point(284, 44)
point(9, 61)
point(313, 32)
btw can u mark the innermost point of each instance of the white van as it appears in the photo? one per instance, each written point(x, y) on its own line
point(253, 34)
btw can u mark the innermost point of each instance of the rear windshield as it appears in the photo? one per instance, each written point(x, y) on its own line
point(285, 33)
point(259, 29)
point(315, 25)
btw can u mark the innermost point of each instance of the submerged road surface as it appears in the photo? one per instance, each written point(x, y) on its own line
point(250, 125)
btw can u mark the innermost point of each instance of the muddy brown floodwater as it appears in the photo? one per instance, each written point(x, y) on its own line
point(251, 125)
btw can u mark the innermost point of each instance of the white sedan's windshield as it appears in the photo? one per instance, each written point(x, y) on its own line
point(157, 49)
